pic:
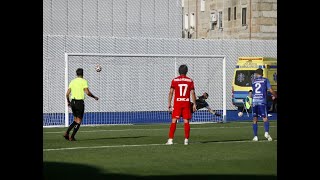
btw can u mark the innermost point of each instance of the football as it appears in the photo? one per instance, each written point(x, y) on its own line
point(98, 68)
point(240, 114)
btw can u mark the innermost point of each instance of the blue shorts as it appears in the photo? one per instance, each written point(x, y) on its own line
point(259, 110)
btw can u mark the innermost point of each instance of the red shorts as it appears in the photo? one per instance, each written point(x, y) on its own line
point(183, 112)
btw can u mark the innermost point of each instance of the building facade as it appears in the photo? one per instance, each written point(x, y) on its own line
point(229, 19)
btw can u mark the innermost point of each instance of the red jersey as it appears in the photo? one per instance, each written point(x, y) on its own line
point(182, 86)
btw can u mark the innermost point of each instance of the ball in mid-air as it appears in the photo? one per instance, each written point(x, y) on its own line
point(98, 68)
point(240, 114)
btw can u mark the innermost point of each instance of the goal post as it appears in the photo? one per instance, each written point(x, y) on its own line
point(133, 88)
point(66, 84)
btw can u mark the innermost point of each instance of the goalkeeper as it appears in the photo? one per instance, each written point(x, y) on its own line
point(201, 103)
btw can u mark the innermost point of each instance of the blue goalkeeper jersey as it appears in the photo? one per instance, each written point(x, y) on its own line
point(260, 86)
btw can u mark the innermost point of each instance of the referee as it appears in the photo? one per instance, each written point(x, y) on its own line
point(77, 87)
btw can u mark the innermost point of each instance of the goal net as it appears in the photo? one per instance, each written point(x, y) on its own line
point(133, 89)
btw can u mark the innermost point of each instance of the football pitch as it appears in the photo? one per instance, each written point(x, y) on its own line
point(216, 151)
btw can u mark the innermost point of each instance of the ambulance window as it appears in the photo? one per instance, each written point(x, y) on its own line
point(244, 78)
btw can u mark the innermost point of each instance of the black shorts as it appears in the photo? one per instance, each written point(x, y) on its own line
point(77, 107)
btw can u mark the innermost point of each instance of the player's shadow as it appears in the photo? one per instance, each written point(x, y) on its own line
point(104, 138)
point(59, 171)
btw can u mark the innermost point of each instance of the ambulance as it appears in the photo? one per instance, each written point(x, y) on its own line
point(243, 76)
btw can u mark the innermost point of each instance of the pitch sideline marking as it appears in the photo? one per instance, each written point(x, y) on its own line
point(147, 129)
point(139, 145)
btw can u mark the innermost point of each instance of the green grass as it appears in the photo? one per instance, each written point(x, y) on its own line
point(216, 151)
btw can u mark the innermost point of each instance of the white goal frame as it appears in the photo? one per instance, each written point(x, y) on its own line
point(66, 58)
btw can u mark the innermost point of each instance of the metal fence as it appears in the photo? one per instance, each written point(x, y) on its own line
point(113, 18)
point(130, 27)
point(54, 48)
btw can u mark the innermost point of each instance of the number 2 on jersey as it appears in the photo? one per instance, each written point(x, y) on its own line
point(258, 86)
point(183, 87)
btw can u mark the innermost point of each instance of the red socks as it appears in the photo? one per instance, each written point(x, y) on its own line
point(186, 130)
point(172, 130)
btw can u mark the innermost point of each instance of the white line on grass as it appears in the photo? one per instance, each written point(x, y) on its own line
point(58, 132)
point(95, 147)
point(139, 145)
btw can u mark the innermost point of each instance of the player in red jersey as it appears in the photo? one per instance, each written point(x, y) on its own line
point(182, 86)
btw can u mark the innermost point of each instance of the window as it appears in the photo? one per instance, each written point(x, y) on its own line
point(220, 19)
point(186, 21)
point(212, 25)
point(213, 17)
point(235, 13)
point(244, 16)
point(192, 21)
point(229, 14)
point(244, 78)
point(213, 20)
point(202, 5)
